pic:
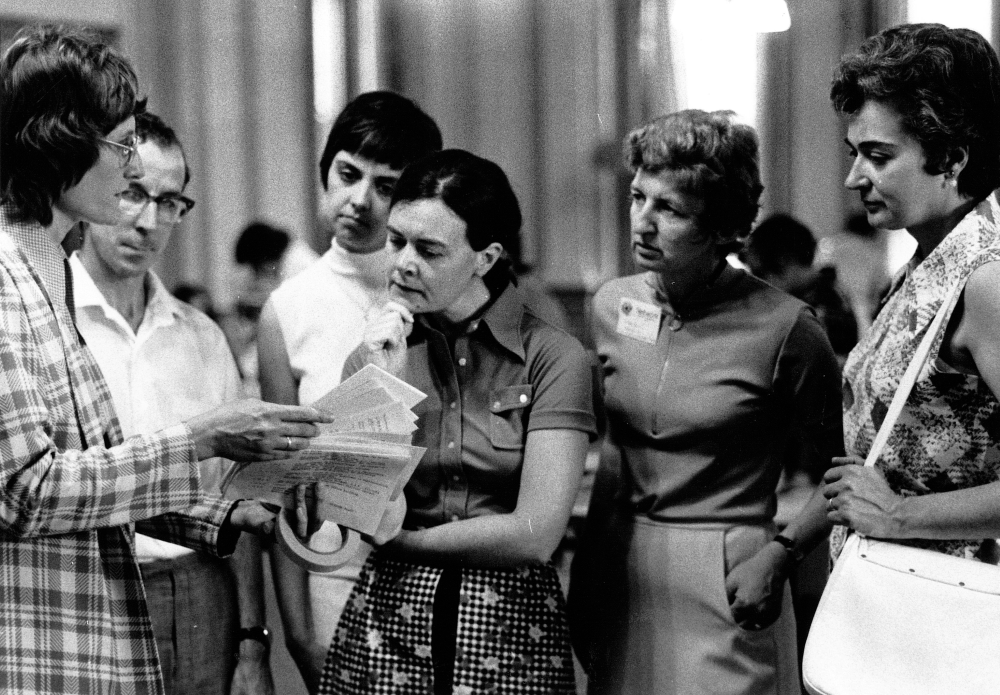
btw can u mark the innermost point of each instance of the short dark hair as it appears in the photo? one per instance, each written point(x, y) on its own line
point(151, 128)
point(778, 241)
point(945, 84)
point(383, 127)
point(717, 160)
point(60, 91)
point(260, 244)
point(478, 191)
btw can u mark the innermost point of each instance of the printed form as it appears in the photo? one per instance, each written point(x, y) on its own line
point(361, 460)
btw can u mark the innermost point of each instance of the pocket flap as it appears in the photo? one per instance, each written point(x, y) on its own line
point(510, 397)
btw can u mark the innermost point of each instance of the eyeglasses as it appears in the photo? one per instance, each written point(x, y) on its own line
point(170, 208)
point(126, 151)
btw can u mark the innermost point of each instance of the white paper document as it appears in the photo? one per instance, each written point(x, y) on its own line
point(362, 459)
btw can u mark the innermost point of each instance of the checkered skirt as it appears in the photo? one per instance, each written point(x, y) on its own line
point(512, 633)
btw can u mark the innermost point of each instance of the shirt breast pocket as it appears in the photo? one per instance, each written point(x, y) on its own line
point(508, 414)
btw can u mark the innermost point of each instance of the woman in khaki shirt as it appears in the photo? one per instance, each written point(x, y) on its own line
point(464, 599)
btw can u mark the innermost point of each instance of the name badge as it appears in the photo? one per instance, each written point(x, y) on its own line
point(639, 320)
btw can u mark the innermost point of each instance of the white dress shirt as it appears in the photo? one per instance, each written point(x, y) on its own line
point(177, 365)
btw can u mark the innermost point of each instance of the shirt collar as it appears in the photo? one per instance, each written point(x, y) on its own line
point(42, 253)
point(161, 306)
point(502, 319)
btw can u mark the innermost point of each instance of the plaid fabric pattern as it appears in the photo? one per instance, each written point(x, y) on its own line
point(513, 635)
point(72, 611)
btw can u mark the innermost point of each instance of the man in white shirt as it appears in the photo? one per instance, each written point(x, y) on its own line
point(313, 321)
point(164, 362)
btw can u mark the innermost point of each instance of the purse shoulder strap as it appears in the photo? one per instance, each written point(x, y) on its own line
point(910, 377)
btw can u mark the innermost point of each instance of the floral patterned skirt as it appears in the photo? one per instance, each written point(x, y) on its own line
point(512, 633)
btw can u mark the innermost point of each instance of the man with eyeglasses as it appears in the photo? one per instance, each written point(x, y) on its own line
point(164, 361)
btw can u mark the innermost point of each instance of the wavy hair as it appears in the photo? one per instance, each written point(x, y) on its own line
point(715, 158)
point(945, 85)
point(478, 191)
point(60, 90)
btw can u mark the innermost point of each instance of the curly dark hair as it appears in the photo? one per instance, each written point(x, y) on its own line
point(717, 158)
point(60, 90)
point(945, 85)
point(478, 191)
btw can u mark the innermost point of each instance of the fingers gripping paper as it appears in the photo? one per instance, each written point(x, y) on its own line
point(361, 461)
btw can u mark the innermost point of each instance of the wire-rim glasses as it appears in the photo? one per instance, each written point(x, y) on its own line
point(126, 150)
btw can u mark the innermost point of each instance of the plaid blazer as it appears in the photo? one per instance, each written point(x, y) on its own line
point(72, 608)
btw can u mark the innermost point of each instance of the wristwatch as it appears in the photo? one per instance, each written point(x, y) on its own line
point(258, 633)
point(790, 547)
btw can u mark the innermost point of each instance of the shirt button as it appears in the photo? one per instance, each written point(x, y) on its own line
point(456, 477)
point(454, 405)
point(461, 361)
point(524, 399)
point(496, 404)
point(451, 445)
point(455, 517)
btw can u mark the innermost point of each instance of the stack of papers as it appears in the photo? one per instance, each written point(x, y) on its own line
point(362, 459)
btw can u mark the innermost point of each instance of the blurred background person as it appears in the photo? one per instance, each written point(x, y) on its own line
point(197, 296)
point(272, 255)
point(164, 361)
point(312, 322)
point(679, 584)
point(267, 256)
point(781, 251)
point(866, 260)
point(465, 598)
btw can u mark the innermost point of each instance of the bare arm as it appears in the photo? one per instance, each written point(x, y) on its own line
point(277, 382)
point(553, 465)
point(253, 670)
point(861, 497)
point(808, 382)
point(291, 582)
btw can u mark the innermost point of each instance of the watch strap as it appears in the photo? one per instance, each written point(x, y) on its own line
point(257, 633)
point(790, 547)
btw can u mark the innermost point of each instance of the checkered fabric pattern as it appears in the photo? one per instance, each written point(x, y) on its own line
point(948, 435)
point(72, 611)
point(512, 633)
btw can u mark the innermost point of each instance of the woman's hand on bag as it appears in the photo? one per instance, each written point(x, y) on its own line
point(756, 587)
point(860, 498)
point(385, 336)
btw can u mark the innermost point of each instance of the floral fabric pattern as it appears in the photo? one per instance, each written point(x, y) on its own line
point(948, 435)
point(513, 635)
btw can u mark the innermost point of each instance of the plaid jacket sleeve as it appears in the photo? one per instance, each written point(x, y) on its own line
point(58, 473)
point(199, 527)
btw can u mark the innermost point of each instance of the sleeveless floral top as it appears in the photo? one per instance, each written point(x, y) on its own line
point(948, 435)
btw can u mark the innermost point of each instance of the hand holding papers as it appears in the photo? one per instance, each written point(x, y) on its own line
point(362, 459)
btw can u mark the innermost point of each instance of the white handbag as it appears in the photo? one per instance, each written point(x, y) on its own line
point(898, 619)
